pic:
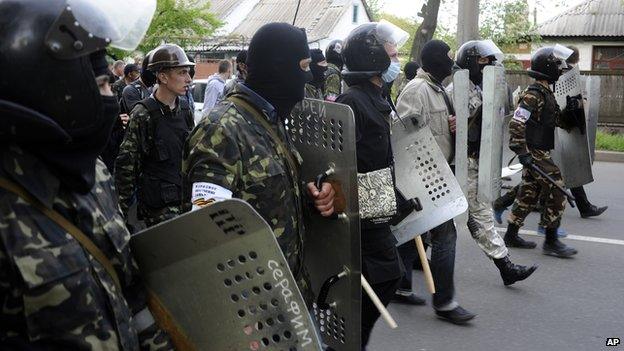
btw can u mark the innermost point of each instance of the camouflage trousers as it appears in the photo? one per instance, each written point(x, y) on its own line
point(480, 218)
point(529, 193)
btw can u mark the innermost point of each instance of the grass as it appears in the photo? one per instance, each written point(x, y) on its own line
point(609, 141)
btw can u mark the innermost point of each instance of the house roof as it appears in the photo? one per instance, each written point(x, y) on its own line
point(318, 17)
point(222, 8)
point(591, 18)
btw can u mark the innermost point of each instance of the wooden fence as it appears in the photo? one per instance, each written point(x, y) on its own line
point(611, 92)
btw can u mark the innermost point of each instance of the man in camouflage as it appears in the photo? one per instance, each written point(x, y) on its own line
point(150, 155)
point(532, 130)
point(333, 75)
point(241, 148)
point(56, 293)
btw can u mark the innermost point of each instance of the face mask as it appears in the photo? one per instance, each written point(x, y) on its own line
point(390, 74)
point(435, 60)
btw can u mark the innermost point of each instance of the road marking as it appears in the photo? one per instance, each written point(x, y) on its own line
point(570, 236)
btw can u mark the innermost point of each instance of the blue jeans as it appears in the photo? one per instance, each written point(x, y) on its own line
point(443, 240)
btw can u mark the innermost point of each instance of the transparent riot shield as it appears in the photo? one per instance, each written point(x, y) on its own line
point(423, 175)
point(219, 281)
point(461, 99)
point(324, 134)
point(491, 155)
point(572, 152)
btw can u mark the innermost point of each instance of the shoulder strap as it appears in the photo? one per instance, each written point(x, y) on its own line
point(86, 243)
point(276, 139)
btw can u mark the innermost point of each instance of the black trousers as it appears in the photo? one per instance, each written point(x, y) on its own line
point(383, 270)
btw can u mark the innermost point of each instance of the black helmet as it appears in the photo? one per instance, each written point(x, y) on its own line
point(547, 62)
point(168, 56)
point(333, 53)
point(364, 53)
point(50, 54)
point(147, 77)
point(468, 55)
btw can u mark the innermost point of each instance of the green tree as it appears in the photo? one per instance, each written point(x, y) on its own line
point(183, 22)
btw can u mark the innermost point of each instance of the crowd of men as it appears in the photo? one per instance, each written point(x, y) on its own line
point(79, 154)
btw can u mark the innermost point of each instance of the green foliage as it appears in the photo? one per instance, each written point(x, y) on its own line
point(410, 25)
point(183, 22)
point(374, 7)
point(507, 23)
point(608, 141)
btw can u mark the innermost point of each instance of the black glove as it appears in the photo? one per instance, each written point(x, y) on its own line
point(525, 159)
point(575, 112)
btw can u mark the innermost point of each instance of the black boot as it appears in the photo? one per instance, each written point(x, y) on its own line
point(554, 247)
point(511, 272)
point(512, 239)
point(586, 209)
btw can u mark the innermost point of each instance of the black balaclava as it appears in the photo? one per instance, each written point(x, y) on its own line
point(435, 59)
point(273, 65)
point(410, 70)
point(475, 69)
point(318, 72)
point(241, 58)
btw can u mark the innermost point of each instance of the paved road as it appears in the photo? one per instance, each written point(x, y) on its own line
point(572, 304)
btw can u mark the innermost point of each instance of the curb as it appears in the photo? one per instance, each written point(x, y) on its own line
point(609, 156)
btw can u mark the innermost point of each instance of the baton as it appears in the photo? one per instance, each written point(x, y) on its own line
point(567, 194)
point(380, 307)
point(425, 264)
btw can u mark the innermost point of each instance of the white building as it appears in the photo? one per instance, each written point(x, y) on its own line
point(595, 27)
point(324, 20)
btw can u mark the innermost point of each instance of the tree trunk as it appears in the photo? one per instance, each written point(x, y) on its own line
point(427, 28)
point(467, 21)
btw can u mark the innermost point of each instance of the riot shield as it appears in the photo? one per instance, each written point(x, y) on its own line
point(592, 109)
point(461, 86)
point(491, 155)
point(324, 134)
point(572, 153)
point(219, 281)
point(422, 173)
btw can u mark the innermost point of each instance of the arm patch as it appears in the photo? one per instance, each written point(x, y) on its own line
point(522, 115)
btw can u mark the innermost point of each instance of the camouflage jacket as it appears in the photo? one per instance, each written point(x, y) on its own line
point(131, 164)
point(312, 92)
point(532, 108)
point(333, 82)
point(229, 149)
point(54, 294)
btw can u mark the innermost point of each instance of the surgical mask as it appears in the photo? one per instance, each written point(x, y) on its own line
point(392, 72)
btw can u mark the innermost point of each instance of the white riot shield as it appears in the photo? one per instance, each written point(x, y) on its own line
point(461, 86)
point(324, 134)
point(423, 174)
point(592, 110)
point(491, 155)
point(572, 153)
point(219, 281)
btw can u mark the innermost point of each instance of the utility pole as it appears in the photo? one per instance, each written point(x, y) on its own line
point(467, 21)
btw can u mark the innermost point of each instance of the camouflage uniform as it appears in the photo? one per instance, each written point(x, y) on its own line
point(333, 82)
point(54, 294)
point(312, 92)
point(230, 149)
point(131, 162)
point(535, 99)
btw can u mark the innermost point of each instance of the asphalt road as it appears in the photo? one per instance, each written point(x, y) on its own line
point(568, 304)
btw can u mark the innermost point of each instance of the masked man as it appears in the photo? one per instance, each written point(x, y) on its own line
point(333, 75)
point(532, 137)
point(67, 277)
point(241, 148)
point(474, 56)
point(424, 98)
point(318, 66)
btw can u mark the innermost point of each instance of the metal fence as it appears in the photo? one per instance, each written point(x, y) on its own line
point(611, 92)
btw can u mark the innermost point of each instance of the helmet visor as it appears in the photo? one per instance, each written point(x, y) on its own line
point(388, 33)
point(488, 48)
point(562, 53)
point(112, 20)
